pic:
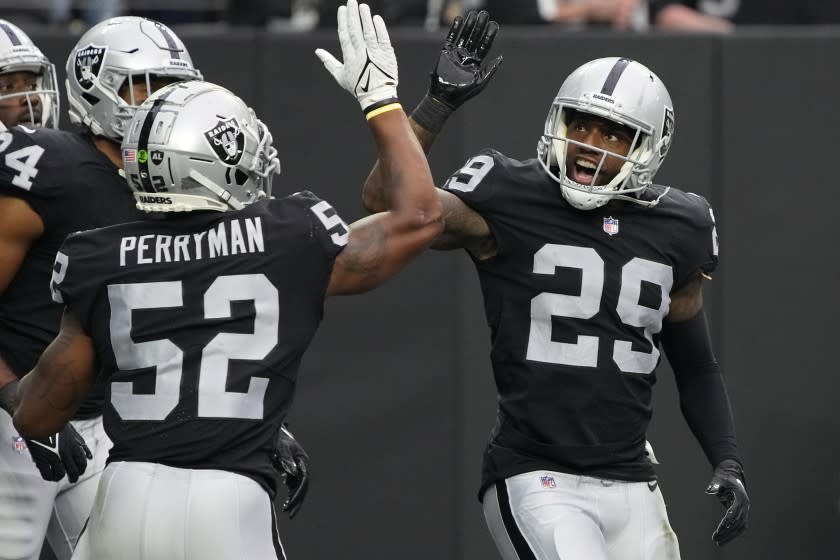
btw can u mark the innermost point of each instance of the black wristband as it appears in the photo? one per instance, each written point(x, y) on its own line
point(7, 397)
point(372, 110)
point(431, 114)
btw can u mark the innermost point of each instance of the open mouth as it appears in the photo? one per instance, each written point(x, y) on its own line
point(583, 171)
point(30, 120)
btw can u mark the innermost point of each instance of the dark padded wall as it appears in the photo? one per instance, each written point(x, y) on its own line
point(779, 324)
point(396, 399)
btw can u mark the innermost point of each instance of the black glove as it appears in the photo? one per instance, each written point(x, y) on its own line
point(458, 74)
point(291, 460)
point(728, 485)
point(65, 452)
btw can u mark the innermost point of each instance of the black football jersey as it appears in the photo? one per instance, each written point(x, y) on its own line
point(575, 301)
point(200, 322)
point(72, 186)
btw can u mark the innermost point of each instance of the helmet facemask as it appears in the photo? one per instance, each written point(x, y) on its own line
point(45, 111)
point(634, 176)
point(113, 80)
point(628, 94)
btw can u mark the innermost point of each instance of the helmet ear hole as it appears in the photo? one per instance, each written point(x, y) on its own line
point(240, 177)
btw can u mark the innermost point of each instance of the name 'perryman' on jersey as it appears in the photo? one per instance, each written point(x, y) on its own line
point(236, 237)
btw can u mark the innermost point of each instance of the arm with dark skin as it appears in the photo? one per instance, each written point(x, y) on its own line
point(380, 245)
point(458, 76)
point(50, 394)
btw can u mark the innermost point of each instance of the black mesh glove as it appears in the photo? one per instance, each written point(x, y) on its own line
point(65, 452)
point(458, 74)
point(292, 462)
point(728, 485)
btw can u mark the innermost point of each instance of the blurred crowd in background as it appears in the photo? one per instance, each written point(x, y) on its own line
point(303, 15)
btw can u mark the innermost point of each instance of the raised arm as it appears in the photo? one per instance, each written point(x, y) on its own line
point(458, 75)
point(380, 245)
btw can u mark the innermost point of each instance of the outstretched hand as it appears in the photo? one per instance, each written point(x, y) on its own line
point(369, 68)
point(459, 74)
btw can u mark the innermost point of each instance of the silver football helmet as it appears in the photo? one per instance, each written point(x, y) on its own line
point(623, 91)
point(19, 54)
point(197, 146)
point(116, 52)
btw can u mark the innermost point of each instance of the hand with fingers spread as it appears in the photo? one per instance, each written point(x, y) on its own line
point(369, 69)
point(292, 461)
point(728, 485)
point(458, 74)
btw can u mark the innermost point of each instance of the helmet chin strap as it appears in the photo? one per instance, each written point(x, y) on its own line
point(224, 194)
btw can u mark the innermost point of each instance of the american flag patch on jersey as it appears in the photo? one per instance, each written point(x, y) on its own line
point(611, 225)
point(19, 443)
point(548, 481)
point(130, 155)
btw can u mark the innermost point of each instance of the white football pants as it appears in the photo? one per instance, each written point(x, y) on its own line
point(546, 515)
point(148, 511)
point(32, 508)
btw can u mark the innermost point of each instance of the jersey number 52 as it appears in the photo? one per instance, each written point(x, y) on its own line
point(168, 359)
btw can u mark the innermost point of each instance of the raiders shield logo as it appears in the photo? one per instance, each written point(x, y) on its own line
point(227, 140)
point(87, 65)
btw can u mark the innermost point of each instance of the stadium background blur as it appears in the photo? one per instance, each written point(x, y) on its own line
point(396, 399)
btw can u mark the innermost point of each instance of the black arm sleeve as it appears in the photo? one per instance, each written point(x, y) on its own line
point(703, 398)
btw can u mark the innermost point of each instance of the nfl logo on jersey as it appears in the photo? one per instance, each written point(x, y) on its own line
point(548, 481)
point(19, 443)
point(611, 225)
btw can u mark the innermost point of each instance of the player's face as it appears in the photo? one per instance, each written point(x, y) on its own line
point(137, 93)
point(598, 132)
point(14, 109)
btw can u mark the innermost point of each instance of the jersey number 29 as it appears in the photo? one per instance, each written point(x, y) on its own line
point(584, 352)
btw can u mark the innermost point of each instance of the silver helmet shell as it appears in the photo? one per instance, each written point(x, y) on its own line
point(121, 51)
point(197, 146)
point(19, 54)
point(624, 91)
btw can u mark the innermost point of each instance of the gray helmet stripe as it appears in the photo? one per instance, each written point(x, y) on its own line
point(614, 75)
point(170, 42)
point(13, 37)
point(143, 142)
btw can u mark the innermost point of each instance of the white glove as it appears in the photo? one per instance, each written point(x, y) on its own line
point(369, 70)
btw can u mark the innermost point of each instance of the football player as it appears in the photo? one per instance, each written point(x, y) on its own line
point(53, 183)
point(28, 85)
point(587, 267)
point(199, 321)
